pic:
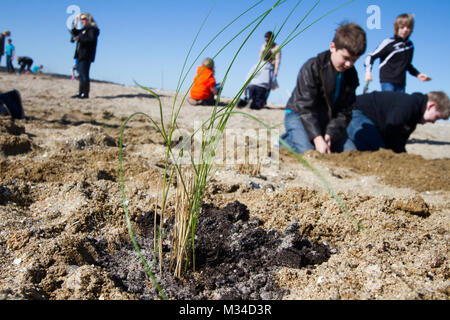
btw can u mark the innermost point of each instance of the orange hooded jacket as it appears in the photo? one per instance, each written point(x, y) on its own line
point(203, 83)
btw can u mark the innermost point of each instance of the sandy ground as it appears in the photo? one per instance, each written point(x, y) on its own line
point(59, 189)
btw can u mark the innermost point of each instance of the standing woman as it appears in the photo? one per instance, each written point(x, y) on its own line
point(3, 36)
point(85, 53)
point(273, 56)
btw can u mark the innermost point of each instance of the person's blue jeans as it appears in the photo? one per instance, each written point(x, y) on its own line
point(363, 132)
point(9, 65)
point(387, 86)
point(258, 96)
point(297, 138)
point(83, 70)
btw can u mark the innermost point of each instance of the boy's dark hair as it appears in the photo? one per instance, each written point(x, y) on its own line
point(269, 35)
point(442, 102)
point(352, 37)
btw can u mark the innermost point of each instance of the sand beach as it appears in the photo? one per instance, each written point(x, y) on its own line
point(63, 233)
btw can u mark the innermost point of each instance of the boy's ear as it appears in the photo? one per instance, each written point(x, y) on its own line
point(431, 104)
point(332, 47)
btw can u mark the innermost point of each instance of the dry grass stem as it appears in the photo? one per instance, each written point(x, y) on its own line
point(183, 222)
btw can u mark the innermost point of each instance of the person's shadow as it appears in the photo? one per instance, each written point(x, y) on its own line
point(130, 96)
point(426, 141)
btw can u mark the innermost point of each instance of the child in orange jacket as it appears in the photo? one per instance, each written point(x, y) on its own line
point(204, 87)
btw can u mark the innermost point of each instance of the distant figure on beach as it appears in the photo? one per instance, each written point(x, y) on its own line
point(204, 88)
point(86, 39)
point(271, 52)
point(320, 106)
point(74, 69)
point(259, 86)
point(3, 36)
point(387, 119)
point(25, 63)
point(37, 69)
point(395, 56)
point(10, 52)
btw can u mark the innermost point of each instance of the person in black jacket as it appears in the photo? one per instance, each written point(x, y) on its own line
point(3, 36)
point(320, 106)
point(387, 119)
point(86, 48)
point(25, 63)
point(395, 56)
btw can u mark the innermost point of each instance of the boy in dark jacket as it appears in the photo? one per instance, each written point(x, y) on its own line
point(387, 119)
point(320, 106)
point(395, 56)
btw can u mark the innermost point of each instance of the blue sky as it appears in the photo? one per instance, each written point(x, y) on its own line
point(148, 41)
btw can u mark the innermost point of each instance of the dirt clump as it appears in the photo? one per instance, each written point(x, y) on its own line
point(396, 169)
point(13, 139)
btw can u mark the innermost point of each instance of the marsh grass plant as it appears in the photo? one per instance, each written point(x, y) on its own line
point(192, 178)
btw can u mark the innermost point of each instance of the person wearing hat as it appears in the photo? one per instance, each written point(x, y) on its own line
point(3, 36)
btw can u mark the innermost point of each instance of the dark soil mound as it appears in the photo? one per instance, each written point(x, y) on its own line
point(235, 259)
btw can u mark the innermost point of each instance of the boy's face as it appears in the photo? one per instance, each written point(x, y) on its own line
point(432, 113)
point(341, 59)
point(404, 32)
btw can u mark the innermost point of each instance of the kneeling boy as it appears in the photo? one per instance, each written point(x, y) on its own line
point(386, 119)
point(320, 106)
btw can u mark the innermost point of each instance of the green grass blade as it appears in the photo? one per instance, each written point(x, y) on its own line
point(127, 216)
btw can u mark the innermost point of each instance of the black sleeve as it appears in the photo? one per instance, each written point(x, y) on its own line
point(396, 137)
point(304, 99)
point(75, 32)
point(380, 52)
point(413, 71)
point(2, 45)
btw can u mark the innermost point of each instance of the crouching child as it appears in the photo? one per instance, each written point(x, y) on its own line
point(386, 119)
point(320, 106)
